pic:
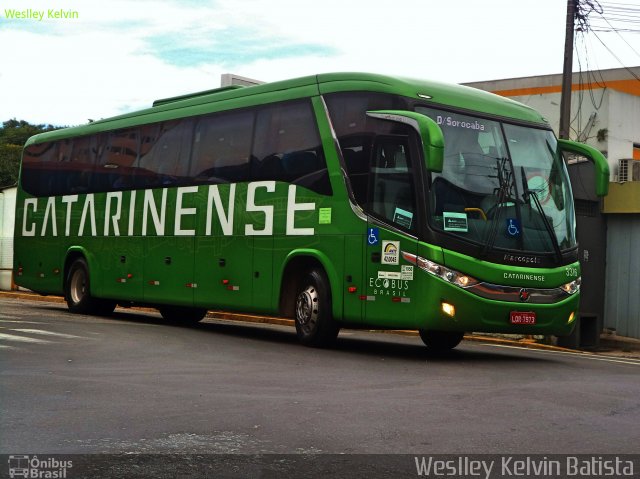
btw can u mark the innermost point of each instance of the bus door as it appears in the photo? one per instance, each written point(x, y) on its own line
point(392, 221)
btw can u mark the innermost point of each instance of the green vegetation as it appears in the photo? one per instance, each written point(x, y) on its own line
point(13, 135)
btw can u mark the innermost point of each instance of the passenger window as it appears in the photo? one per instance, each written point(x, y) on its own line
point(221, 148)
point(62, 177)
point(38, 168)
point(166, 149)
point(63, 154)
point(117, 155)
point(287, 147)
point(81, 166)
point(392, 182)
point(83, 153)
point(356, 132)
point(148, 137)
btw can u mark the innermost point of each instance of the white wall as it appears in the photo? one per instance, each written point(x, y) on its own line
point(7, 219)
point(624, 121)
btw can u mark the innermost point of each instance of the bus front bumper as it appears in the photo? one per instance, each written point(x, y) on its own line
point(461, 310)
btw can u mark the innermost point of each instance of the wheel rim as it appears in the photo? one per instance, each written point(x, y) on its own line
point(77, 286)
point(307, 308)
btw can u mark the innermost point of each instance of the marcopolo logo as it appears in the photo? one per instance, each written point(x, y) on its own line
point(390, 250)
point(34, 467)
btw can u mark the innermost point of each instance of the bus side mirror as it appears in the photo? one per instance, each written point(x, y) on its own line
point(428, 130)
point(593, 155)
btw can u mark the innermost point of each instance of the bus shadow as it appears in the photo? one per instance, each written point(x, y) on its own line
point(349, 342)
point(374, 344)
point(403, 349)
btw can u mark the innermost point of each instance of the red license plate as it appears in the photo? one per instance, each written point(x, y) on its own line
point(522, 317)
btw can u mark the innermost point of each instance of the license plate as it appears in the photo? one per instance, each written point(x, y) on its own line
point(522, 317)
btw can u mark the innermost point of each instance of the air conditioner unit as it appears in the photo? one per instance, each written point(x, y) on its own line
point(628, 170)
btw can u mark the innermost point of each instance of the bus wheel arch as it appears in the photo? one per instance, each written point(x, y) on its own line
point(77, 288)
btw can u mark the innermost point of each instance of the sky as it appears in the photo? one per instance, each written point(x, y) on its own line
point(116, 56)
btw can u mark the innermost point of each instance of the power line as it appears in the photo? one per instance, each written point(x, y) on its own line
point(623, 13)
point(616, 57)
point(634, 50)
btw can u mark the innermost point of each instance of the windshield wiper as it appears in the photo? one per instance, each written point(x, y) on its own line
point(505, 181)
point(526, 194)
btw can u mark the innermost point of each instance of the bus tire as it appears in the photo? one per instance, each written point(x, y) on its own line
point(440, 340)
point(314, 321)
point(182, 314)
point(78, 292)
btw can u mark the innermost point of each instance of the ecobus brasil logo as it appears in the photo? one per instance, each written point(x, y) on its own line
point(33, 467)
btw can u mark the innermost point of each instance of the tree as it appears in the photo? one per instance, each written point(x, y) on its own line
point(13, 135)
point(9, 164)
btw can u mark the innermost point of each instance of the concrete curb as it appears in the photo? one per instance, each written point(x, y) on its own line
point(31, 296)
point(622, 343)
point(257, 319)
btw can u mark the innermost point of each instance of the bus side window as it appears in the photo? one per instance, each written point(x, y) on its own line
point(166, 159)
point(392, 188)
point(148, 137)
point(115, 164)
point(221, 148)
point(356, 160)
point(287, 147)
point(355, 131)
point(82, 164)
point(38, 168)
point(59, 179)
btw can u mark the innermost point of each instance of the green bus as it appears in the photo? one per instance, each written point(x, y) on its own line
point(338, 200)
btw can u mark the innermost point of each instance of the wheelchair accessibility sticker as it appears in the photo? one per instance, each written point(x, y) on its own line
point(513, 227)
point(373, 236)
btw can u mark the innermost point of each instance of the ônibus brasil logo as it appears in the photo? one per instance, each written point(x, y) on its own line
point(33, 467)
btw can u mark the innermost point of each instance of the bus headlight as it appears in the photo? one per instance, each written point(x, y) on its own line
point(573, 287)
point(449, 275)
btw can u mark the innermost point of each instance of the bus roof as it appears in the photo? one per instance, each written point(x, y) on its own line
point(434, 93)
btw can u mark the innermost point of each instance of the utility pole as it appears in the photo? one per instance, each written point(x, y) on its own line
point(567, 71)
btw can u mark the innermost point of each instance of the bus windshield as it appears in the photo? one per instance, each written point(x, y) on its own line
point(502, 186)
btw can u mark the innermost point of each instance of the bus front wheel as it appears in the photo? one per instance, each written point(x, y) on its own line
point(78, 292)
point(440, 340)
point(315, 325)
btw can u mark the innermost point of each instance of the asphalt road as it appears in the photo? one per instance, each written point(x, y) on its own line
point(131, 383)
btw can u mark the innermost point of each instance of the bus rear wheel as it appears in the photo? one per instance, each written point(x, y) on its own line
point(78, 292)
point(315, 325)
point(440, 340)
point(182, 314)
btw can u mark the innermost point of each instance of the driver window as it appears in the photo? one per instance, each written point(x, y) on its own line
point(392, 191)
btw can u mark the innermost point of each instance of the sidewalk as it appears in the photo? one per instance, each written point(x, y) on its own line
point(611, 345)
